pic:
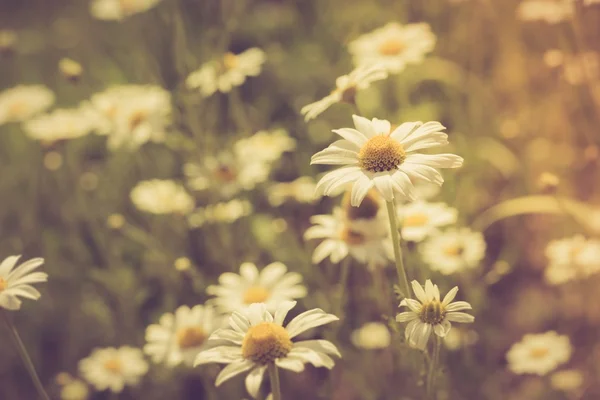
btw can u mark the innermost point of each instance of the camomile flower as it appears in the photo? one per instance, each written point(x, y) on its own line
point(158, 196)
point(345, 90)
point(113, 369)
point(567, 380)
point(550, 11)
point(22, 102)
point(74, 389)
point(572, 258)
point(371, 336)
point(119, 9)
point(228, 72)
point(61, 124)
point(256, 339)
point(264, 146)
point(180, 336)
point(301, 190)
point(225, 212)
point(454, 250)
point(539, 353)
point(393, 46)
point(372, 155)
point(428, 314)
point(419, 219)
point(16, 282)
point(272, 285)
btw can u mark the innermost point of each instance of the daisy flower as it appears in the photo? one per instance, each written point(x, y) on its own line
point(572, 258)
point(16, 282)
point(372, 155)
point(225, 212)
point(428, 314)
point(264, 146)
point(158, 196)
point(371, 336)
point(421, 219)
point(23, 102)
point(550, 11)
point(74, 389)
point(539, 353)
point(228, 72)
point(61, 124)
point(179, 337)
point(301, 190)
point(454, 250)
point(113, 369)
point(393, 46)
point(272, 285)
point(119, 9)
point(257, 339)
point(345, 90)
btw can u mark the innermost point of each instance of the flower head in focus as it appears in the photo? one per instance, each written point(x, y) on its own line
point(272, 285)
point(256, 338)
point(158, 196)
point(345, 90)
point(228, 72)
point(22, 102)
point(374, 155)
point(454, 250)
point(16, 282)
point(420, 219)
point(180, 336)
point(113, 368)
point(119, 9)
point(393, 46)
point(539, 353)
point(428, 314)
point(572, 258)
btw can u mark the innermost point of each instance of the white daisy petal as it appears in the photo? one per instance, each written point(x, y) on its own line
point(233, 369)
point(460, 317)
point(419, 291)
point(450, 296)
point(220, 354)
point(291, 364)
point(308, 320)
point(282, 310)
point(360, 189)
point(353, 136)
point(364, 126)
point(322, 346)
point(254, 379)
point(406, 316)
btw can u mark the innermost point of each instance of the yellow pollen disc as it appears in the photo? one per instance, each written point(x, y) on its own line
point(136, 119)
point(113, 365)
point(256, 294)
point(415, 220)
point(432, 313)
point(454, 251)
point(266, 342)
point(3, 284)
point(192, 336)
point(351, 237)
point(230, 60)
point(391, 47)
point(539, 352)
point(381, 153)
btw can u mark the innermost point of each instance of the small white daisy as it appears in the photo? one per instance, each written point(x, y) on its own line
point(264, 146)
point(371, 336)
point(301, 190)
point(345, 90)
point(572, 258)
point(74, 389)
point(16, 282)
point(550, 11)
point(454, 250)
point(257, 339)
point(228, 72)
point(111, 368)
point(179, 337)
point(539, 353)
point(23, 102)
point(225, 212)
point(393, 46)
point(272, 285)
point(119, 9)
point(61, 124)
point(420, 219)
point(158, 196)
point(372, 155)
point(428, 314)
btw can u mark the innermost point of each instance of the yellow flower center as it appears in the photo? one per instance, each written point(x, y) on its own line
point(256, 294)
point(539, 352)
point(136, 119)
point(454, 251)
point(432, 313)
point(415, 220)
point(351, 237)
point(391, 47)
point(3, 284)
point(266, 342)
point(381, 153)
point(192, 336)
point(230, 60)
point(113, 365)
point(368, 209)
point(225, 173)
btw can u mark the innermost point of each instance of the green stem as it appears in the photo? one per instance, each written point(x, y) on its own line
point(274, 379)
point(24, 356)
point(403, 280)
point(435, 358)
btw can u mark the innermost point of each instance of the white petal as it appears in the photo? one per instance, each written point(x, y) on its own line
point(333, 180)
point(403, 185)
point(239, 322)
point(420, 336)
point(322, 346)
point(450, 296)
point(458, 306)
point(442, 329)
point(422, 132)
point(429, 290)
point(406, 316)
point(432, 140)
point(352, 135)
point(459, 317)
point(418, 172)
point(435, 160)
point(25, 268)
point(309, 319)
point(282, 310)
point(383, 183)
point(326, 248)
point(249, 272)
point(360, 189)
point(220, 354)
point(271, 274)
point(401, 132)
point(232, 370)
point(413, 304)
point(419, 292)
point(341, 152)
point(364, 126)
point(254, 379)
point(258, 313)
point(313, 357)
point(228, 335)
point(381, 126)
point(7, 265)
point(9, 301)
point(291, 364)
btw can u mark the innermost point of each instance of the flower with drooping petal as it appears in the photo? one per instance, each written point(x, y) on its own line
point(114, 368)
point(272, 285)
point(22, 102)
point(346, 88)
point(428, 314)
point(539, 353)
point(420, 219)
point(256, 338)
point(374, 155)
point(453, 250)
point(16, 282)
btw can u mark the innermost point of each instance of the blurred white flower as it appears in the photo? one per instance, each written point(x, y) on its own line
point(393, 46)
point(572, 258)
point(74, 390)
point(371, 336)
point(551, 11)
point(228, 72)
point(264, 146)
point(180, 336)
point(70, 69)
point(301, 190)
point(226, 212)
point(272, 285)
point(346, 88)
point(567, 380)
point(23, 102)
point(158, 196)
point(132, 115)
point(428, 314)
point(420, 219)
point(257, 338)
point(16, 282)
point(111, 368)
point(424, 190)
point(119, 9)
point(454, 250)
point(372, 155)
point(61, 124)
point(539, 353)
